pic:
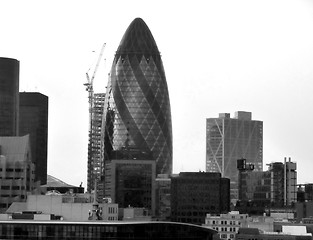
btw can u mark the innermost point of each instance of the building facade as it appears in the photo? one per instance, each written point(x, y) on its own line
point(254, 188)
point(229, 139)
point(163, 196)
point(131, 180)
point(226, 224)
point(284, 182)
point(9, 97)
point(274, 188)
point(94, 146)
point(16, 170)
point(33, 120)
point(194, 194)
point(64, 230)
point(137, 108)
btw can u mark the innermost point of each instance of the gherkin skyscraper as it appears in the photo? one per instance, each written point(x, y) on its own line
point(137, 112)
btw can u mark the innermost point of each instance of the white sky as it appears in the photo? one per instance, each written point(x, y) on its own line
point(219, 56)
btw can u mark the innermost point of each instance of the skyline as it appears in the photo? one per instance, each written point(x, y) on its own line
point(218, 56)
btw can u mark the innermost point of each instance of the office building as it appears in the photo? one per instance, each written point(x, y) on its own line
point(131, 179)
point(284, 182)
point(163, 196)
point(137, 108)
point(194, 194)
point(9, 97)
point(33, 120)
point(274, 188)
point(94, 145)
point(16, 170)
point(254, 189)
point(229, 139)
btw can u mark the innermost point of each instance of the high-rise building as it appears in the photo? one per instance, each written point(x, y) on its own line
point(284, 182)
point(229, 139)
point(94, 145)
point(9, 97)
point(194, 194)
point(136, 112)
point(33, 120)
point(274, 188)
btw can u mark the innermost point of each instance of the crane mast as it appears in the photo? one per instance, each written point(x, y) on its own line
point(89, 87)
point(91, 153)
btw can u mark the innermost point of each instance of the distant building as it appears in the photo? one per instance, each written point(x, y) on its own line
point(131, 181)
point(304, 210)
point(66, 207)
point(288, 234)
point(284, 183)
point(57, 185)
point(9, 97)
point(305, 192)
point(227, 225)
point(136, 214)
point(95, 165)
point(96, 230)
point(163, 196)
point(229, 139)
point(17, 176)
point(33, 120)
point(137, 109)
point(274, 188)
point(254, 189)
point(194, 194)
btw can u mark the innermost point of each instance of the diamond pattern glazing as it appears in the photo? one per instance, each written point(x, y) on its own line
point(137, 109)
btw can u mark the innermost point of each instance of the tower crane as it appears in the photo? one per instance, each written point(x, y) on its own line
point(89, 86)
point(89, 89)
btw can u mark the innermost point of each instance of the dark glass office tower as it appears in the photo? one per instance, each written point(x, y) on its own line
point(9, 103)
point(34, 121)
point(137, 108)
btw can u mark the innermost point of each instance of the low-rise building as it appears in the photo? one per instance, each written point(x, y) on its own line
point(67, 207)
point(287, 234)
point(17, 171)
point(194, 194)
point(227, 225)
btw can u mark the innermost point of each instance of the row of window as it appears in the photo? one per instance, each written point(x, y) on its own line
point(225, 229)
point(224, 222)
point(224, 236)
point(12, 170)
point(112, 210)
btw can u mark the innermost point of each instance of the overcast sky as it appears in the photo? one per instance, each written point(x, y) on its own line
point(219, 56)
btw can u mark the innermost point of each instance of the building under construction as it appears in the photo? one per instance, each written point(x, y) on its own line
point(94, 160)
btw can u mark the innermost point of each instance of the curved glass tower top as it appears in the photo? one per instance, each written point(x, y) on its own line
point(137, 115)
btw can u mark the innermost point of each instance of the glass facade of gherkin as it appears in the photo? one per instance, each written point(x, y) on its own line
point(137, 111)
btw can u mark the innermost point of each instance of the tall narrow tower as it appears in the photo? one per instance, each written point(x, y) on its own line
point(137, 112)
point(33, 120)
point(9, 96)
